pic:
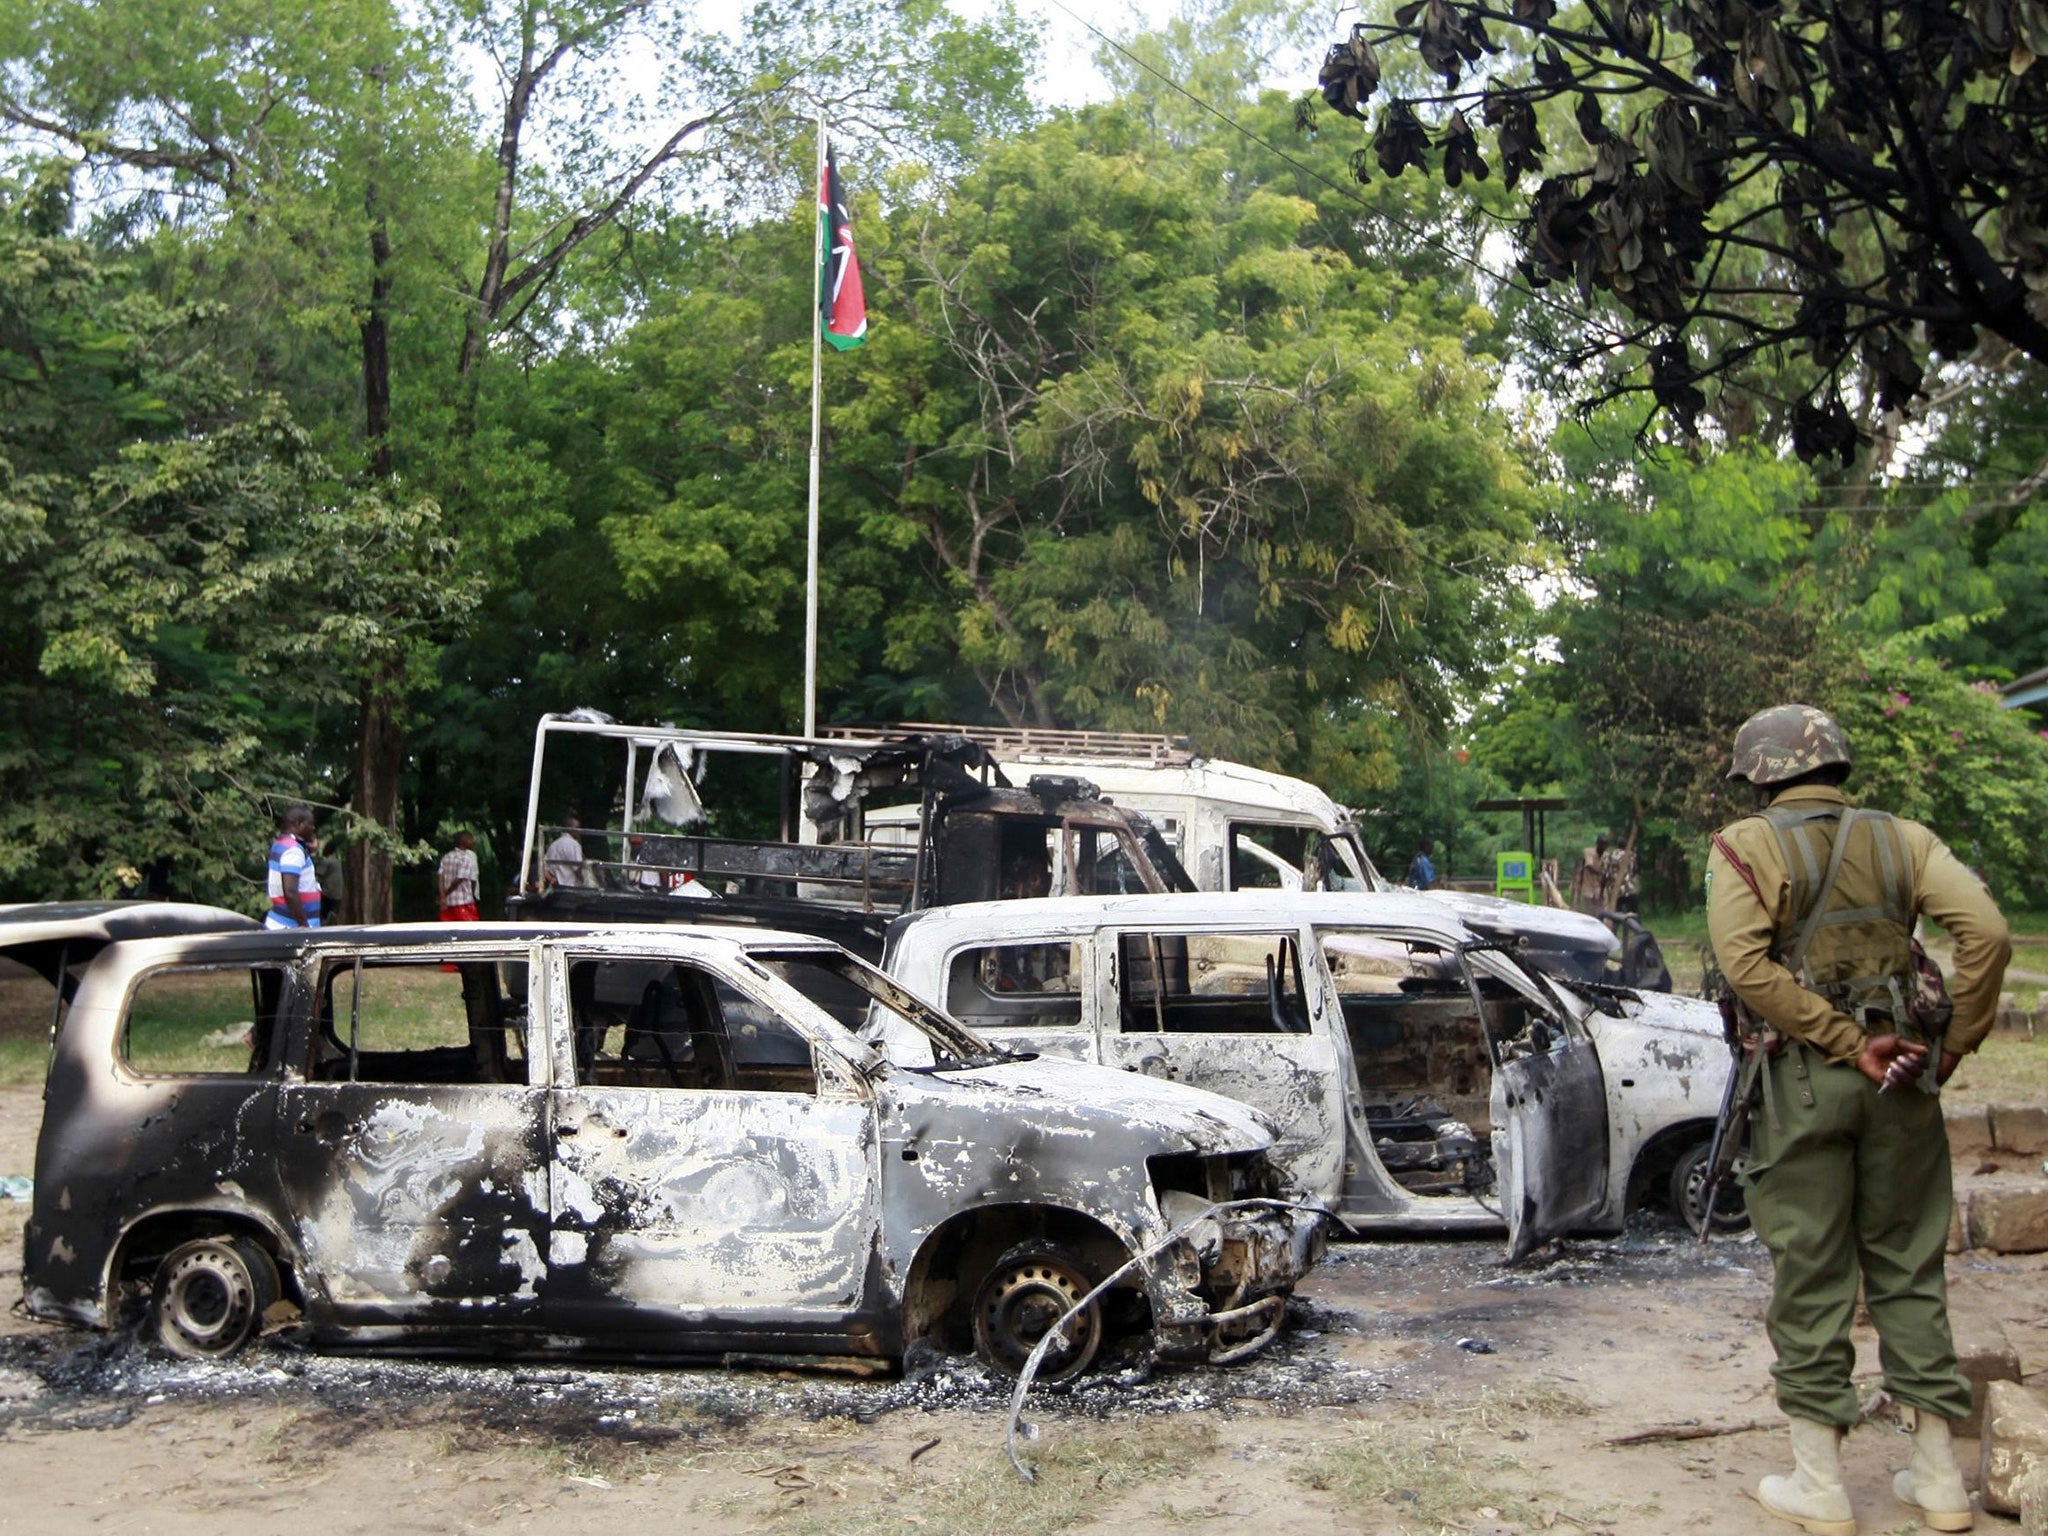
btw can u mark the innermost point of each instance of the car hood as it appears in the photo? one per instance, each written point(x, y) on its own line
point(1682, 1015)
point(1550, 927)
point(1051, 1096)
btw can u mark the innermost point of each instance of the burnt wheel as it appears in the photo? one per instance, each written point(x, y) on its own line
point(1689, 1188)
point(210, 1296)
point(1028, 1291)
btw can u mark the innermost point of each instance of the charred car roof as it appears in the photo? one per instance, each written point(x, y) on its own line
point(52, 936)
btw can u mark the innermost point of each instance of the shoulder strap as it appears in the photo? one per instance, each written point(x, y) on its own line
point(1896, 860)
point(1795, 957)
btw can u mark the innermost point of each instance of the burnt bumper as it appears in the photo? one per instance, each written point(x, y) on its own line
point(1237, 1265)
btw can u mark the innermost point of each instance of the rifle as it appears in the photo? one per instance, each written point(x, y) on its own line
point(1731, 1125)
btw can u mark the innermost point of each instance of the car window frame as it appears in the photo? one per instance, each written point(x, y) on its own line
point(1083, 994)
point(281, 1024)
point(840, 1071)
point(314, 961)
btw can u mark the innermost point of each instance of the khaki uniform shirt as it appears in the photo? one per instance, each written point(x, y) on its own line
point(1743, 930)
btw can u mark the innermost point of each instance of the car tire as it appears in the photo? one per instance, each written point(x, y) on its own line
point(210, 1296)
point(1023, 1296)
point(1688, 1185)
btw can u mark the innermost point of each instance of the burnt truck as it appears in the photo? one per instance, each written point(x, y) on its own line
point(1238, 828)
point(959, 831)
point(447, 1138)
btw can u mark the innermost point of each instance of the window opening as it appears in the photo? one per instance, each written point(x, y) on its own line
point(663, 1024)
point(1016, 986)
point(1210, 984)
point(204, 1021)
point(414, 1021)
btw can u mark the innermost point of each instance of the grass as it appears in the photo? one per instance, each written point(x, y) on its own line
point(2003, 1070)
point(1426, 1475)
point(1081, 1469)
point(1689, 926)
point(1493, 1408)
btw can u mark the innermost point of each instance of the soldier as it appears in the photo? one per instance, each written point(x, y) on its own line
point(1848, 1165)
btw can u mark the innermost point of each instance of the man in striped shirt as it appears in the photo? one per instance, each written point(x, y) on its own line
point(294, 882)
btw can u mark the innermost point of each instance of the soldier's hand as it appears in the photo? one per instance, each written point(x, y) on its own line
point(1947, 1069)
point(1891, 1062)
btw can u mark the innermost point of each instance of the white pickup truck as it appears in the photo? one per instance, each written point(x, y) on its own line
point(1422, 1077)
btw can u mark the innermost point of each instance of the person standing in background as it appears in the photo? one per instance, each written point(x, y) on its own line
point(294, 883)
point(564, 859)
point(457, 881)
point(328, 868)
point(1422, 868)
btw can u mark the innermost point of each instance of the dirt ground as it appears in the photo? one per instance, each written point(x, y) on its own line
point(1423, 1389)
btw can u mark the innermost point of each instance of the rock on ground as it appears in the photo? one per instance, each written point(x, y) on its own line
point(2015, 1445)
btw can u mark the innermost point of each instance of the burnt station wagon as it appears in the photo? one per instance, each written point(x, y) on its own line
point(629, 1142)
point(1421, 1078)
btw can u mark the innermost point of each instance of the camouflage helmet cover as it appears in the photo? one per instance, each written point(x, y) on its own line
point(1785, 742)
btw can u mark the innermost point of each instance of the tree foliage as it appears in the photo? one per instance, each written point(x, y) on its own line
point(1697, 590)
point(190, 585)
point(1852, 183)
point(1140, 440)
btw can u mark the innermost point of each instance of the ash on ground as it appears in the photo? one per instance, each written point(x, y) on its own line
point(53, 1379)
point(58, 1380)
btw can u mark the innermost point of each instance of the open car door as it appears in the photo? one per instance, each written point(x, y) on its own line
point(1549, 1104)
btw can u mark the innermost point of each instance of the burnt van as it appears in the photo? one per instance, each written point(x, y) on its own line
point(628, 1142)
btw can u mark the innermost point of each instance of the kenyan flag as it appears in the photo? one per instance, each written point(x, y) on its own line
point(842, 307)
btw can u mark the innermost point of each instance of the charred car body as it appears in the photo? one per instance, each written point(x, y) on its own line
point(628, 1142)
point(1421, 1078)
point(962, 832)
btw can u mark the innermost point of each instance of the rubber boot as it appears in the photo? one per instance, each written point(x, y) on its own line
point(1932, 1482)
point(1813, 1496)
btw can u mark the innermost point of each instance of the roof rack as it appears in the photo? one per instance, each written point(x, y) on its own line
point(1023, 743)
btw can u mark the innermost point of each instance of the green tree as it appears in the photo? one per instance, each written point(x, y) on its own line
point(167, 650)
point(1137, 441)
point(1857, 184)
point(324, 156)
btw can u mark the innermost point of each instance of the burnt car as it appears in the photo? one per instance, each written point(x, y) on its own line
point(626, 1142)
point(1422, 1077)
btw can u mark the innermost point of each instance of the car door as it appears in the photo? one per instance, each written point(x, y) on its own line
point(411, 1137)
point(1026, 994)
point(713, 1172)
point(1237, 1014)
point(1548, 1104)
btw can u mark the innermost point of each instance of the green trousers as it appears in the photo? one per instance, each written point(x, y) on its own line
point(1847, 1182)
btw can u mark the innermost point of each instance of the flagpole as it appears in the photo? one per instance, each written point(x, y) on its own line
point(818, 255)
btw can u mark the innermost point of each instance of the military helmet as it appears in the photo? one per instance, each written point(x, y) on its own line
point(1786, 742)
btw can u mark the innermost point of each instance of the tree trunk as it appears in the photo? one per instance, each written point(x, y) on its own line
point(380, 755)
point(376, 329)
point(380, 739)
